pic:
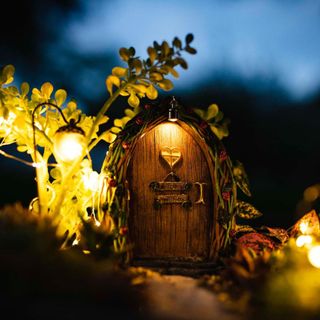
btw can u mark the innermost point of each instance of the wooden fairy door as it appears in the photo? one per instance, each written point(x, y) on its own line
point(171, 196)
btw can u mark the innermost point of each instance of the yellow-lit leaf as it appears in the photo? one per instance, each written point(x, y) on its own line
point(108, 136)
point(125, 120)
point(133, 100)
point(156, 76)
point(103, 119)
point(220, 132)
point(152, 92)
point(124, 54)
point(174, 72)
point(22, 148)
point(72, 106)
point(60, 96)
point(115, 130)
point(137, 65)
point(212, 111)
point(7, 74)
point(165, 84)
point(139, 88)
point(46, 90)
point(119, 72)
point(112, 80)
point(165, 48)
point(129, 113)
point(124, 93)
point(200, 113)
point(117, 123)
point(36, 94)
point(152, 54)
point(24, 88)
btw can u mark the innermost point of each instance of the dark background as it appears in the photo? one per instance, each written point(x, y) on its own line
point(256, 60)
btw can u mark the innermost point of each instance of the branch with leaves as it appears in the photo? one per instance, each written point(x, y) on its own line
point(67, 192)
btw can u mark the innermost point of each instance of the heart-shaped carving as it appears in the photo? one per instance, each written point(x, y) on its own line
point(171, 155)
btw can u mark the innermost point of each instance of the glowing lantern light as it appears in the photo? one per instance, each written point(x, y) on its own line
point(314, 256)
point(69, 142)
point(303, 240)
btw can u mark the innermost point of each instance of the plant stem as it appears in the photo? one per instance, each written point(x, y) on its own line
point(72, 169)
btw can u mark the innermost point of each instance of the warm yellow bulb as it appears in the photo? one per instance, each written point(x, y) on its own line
point(314, 256)
point(68, 146)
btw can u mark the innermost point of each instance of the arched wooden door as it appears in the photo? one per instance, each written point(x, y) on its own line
point(161, 227)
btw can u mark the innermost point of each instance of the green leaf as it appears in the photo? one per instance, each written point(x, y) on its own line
point(46, 90)
point(182, 63)
point(165, 84)
point(22, 148)
point(112, 80)
point(72, 106)
point(108, 136)
point(133, 100)
point(104, 119)
point(24, 88)
point(124, 54)
point(60, 96)
point(246, 210)
point(137, 64)
point(241, 178)
point(189, 38)
point(7, 74)
point(165, 49)
point(152, 54)
point(200, 113)
point(132, 51)
point(117, 123)
point(191, 50)
point(212, 111)
point(129, 113)
point(177, 43)
point(174, 72)
point(152, 92)
point(156, 45)
point(156, 76)
point(116, 130)
point(119, 72)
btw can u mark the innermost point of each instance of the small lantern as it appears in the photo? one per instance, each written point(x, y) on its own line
point(69, 142)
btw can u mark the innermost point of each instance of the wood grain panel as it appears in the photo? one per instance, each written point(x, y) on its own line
point(170, 232)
